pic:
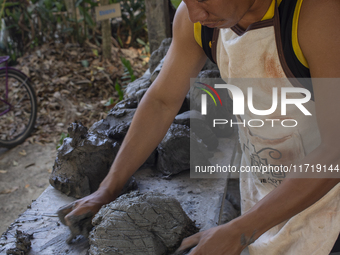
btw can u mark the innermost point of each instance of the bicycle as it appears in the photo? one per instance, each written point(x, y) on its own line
point(18, 106)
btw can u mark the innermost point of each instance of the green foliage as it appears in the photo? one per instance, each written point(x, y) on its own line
point(134, 22)
point(32, 23)
point(119, 90)
point(146, 50)
point(85, 7)
point(61, 140)
point(29, 23)
point(12, 53)
point(121, 44)
point(176, 3)
point(112, 102)
point(85, 63)
point(109, 102)
point(128, 75)
point(95, 52)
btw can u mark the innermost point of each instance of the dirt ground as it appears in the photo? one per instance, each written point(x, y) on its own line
point(24, 173)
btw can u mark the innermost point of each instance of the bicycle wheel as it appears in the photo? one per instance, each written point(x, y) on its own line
point(18, 110)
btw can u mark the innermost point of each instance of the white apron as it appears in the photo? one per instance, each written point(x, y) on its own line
point(255, 54)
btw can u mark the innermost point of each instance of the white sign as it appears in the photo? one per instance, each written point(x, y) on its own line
point(108, 12)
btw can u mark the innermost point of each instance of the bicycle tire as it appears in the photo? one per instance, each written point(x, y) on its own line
point(14, 140)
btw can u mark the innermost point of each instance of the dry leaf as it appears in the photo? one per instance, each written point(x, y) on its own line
point(58, 69)
point(111, 69)
point(49, 170)
point(26, 186)
point(23, 153)
point(26, 70)
point(130, 53)
point(3, 171)
point(7, 191)
point(15, 163)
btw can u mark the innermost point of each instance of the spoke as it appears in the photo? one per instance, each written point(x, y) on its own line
point(17, 105)
point(21, 100)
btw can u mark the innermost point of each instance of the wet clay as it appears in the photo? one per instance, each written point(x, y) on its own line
point(199, 126)
point(142, 83)
point(82, 224)
point(139, 224)
point(159, 54)
point(85, 158)
point(174, 150)
point(22, 244)
point(82, 162)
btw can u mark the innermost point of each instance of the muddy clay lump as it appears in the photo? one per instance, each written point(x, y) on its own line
point(82, 224)
point(22, 244)
point(139, 224)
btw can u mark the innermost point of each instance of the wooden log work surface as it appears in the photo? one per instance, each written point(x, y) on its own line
point(200, 198)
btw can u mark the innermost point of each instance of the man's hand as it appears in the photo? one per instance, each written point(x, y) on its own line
point(78, 215)
point(221, 240)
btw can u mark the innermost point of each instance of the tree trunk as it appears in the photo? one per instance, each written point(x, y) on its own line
point(157, 13)
point(106, 34)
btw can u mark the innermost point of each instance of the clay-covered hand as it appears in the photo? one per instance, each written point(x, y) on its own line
point(78, 214)
point(221, 240)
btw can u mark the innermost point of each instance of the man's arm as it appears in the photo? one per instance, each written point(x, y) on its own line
point(319, 38)
point(154, 114)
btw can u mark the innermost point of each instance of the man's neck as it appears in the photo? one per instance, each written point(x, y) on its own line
point(255, 13)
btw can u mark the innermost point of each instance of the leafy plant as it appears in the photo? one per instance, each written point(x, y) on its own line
point(32, 23)
point(120, 41)
point(128, 75)
point(85, 7)
point(119, 90)
point(110, 103)
point(28, 23)
point(146, 50)
point(61, 140)
point(133, 23)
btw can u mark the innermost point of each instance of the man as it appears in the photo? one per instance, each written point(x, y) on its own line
point(265, 216)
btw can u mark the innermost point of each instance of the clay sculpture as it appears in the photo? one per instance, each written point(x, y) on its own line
point(139, 224)
point(84, 158)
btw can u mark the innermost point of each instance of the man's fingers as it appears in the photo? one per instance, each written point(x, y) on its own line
point(64, 210)
point(190, 241)
point(77, 214)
